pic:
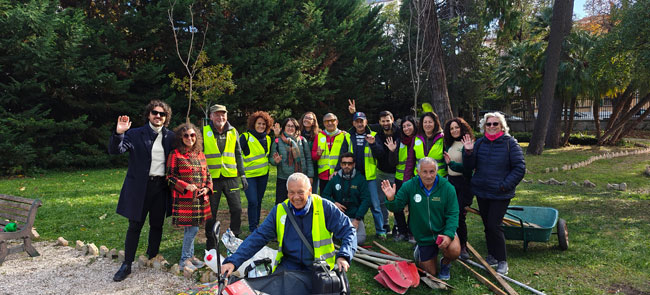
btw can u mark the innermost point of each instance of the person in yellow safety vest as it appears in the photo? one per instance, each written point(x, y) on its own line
point(409, 129)
point(328, 146)
point(223, 155)
point(366, 151)
point(317, 219)
point(428, 143)
point(255, 146)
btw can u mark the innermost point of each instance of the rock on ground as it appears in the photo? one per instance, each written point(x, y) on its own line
point(64, 270)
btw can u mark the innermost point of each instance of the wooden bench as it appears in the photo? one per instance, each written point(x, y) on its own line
point(22, 211)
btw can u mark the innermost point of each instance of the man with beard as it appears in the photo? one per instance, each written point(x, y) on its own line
point(348, 190)
point(388, 135)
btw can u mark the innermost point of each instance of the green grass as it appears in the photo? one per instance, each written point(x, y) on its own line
point(608, 231)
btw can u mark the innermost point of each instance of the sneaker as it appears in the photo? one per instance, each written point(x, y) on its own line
point(502, 268)
point(412, 239)
point(382, 236)
point(491, 260)
point(463, 253)
point(399, 237)
point(196, 262)
point(445, 271)
point(188, 264)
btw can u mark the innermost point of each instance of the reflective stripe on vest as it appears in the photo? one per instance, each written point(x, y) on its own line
point(257, 162)
point(330, 157)
point(401, 164)
point(436, 152)
point(369, 162)
point(321, 238)
point(220, 164)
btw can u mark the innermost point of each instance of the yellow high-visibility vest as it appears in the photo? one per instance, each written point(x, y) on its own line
point(369, 162)
point(321, 238)
point(436, 152)
point(257, 162)
point(220, 164)
point(401, 161)
point(330, 157)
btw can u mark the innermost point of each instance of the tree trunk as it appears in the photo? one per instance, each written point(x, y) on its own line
point(437, 78)
point(596, 109)
point(554, 128)
point(618, 106)
point(562, 9)
point(618, 129)
point(569, 126)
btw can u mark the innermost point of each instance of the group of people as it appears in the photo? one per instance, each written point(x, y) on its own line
point(376, 167)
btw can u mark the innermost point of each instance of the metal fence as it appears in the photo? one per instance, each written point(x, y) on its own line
point(584, 110)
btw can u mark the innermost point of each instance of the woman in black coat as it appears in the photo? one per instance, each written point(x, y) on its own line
point(499, 166)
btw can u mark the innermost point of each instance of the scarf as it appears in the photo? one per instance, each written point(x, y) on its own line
point(335, 132)
point(407, 140)
point(493, 137)
point(293, 152)
point(303, 211)
point(347, 176)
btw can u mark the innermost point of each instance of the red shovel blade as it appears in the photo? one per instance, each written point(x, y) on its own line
point(383, 279)
point(410, 272)
point(394, 275)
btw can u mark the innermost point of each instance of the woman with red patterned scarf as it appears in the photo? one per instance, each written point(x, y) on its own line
point(191, 184)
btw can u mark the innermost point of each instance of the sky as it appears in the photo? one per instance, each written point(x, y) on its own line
point(578, 9)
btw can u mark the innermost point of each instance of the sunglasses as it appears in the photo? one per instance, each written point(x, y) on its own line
point(330, 121)
point(347, 163)
point(192, 135)
point(157, 113)
point(495, 124)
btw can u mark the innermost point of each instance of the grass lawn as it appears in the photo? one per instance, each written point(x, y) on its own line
point(608, 231)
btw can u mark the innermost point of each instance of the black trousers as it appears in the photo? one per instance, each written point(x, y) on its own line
point(155, 205)
point(400, 217)
point(492, 212)
point(464, 197)
point(281, 192)
point(229, 186)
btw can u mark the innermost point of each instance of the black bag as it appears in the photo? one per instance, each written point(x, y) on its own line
point(324, 280)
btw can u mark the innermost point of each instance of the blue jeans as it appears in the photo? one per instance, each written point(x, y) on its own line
point(381, 176)
point(254, 194)
point(375, 208)
point(188, 243)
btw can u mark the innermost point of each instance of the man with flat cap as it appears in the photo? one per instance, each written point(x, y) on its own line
point(224, 159)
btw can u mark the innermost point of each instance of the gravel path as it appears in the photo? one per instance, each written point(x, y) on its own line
point(64, 270)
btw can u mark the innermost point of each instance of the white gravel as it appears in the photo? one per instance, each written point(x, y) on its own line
point(64, 270)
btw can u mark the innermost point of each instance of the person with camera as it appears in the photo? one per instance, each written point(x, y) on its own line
point(303, 225)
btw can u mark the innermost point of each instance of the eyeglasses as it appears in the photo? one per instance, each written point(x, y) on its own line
point(192, 135)
point(347, 163)
point(495, 124)
point(332, 121)
point(157, 113)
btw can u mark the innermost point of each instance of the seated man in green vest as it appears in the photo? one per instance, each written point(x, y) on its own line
point(348, 190)
point(318, 220)
point(434, 215)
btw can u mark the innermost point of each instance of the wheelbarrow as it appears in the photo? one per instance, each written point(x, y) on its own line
point(534, 224)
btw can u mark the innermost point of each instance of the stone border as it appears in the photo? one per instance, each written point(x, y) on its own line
point(203, 275)
point(599, 157)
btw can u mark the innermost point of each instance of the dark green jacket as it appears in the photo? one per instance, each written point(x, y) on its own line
point(353, 194)
point(430, 216)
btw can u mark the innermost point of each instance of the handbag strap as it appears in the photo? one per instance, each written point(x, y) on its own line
point(295, 226)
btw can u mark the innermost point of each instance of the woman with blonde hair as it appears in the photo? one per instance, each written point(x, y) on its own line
point(498, 164)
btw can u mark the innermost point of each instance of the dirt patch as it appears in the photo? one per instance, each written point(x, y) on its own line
point(64, 270)
point(625, 289)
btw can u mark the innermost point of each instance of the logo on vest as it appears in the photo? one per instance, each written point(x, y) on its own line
point(417, 198)
point(283, 219)
point(418, 142)
point(209, 133)
point(251, 139)
point(322, 139)
point(338, 186)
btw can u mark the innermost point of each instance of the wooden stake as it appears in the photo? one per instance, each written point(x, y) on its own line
point(483, 280)
point(489, 269)
point(384, 248)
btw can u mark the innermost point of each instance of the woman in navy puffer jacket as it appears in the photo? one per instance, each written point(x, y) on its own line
point(499, 166)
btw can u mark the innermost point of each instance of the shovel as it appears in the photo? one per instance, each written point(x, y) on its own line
point(385, 281)
point(410, 271)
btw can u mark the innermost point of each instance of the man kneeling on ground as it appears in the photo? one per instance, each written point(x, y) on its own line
point(434, 216)
point(317, 218)
point(349, 192)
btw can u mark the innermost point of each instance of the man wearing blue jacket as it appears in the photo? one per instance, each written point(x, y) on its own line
point(318, 220)
point(145, 189)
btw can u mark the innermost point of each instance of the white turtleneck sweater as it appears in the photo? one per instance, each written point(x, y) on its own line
point(157, 154)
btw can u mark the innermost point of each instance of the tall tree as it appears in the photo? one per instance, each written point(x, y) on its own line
point(562, 11)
